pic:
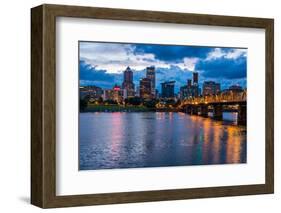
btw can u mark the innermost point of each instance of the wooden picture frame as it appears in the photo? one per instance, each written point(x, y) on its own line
point(43, 105)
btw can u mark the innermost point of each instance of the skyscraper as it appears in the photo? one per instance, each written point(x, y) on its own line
point(168, 89)
point(195, 78)
point(189, 83)
point(145, 88)
point(186, 91)
point(150, 74)
point(190, 90)
point(128, 84)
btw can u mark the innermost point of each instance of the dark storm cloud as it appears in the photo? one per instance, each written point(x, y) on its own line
point(223, 68)
point(101, 64)
point(89, 74)
point(172, 53)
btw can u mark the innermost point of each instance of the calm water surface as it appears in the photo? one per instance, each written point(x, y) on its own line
point(149, 139)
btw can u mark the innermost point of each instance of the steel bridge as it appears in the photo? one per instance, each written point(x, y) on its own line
point(217, 104)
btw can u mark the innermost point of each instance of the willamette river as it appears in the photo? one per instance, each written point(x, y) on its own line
point(149, 139)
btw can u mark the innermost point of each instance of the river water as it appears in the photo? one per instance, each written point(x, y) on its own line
point(149, 139)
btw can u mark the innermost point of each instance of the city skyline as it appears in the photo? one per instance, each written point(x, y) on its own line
point(120, 94)
point(148, 105)
point(103, 64)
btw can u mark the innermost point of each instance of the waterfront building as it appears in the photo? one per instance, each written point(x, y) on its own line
point(235, 88)
point(185, 92)
point(114, 94)
point(91, 92)
point(125, 93)
point(145, 88)
point(195, 90)
point(233, 91)
point(117, 94)
point(108, 94)
point(168, 89)
point(211, 88)
point(189, 83)
point(190, 90)
point(157, 95)
point(128, 84)
point(150, 74)
point(138, 91)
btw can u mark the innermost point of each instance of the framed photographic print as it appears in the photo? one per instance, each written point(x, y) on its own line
point(136, 106)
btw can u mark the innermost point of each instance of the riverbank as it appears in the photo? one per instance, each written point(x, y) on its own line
point(116, 108)
point(120, 108)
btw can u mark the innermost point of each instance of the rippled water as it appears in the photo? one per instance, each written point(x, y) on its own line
point(149, 139)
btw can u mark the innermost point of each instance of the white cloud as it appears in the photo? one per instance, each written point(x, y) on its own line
point(219, 53)
point(115, 58)
point(235, 53)
point(188, 63)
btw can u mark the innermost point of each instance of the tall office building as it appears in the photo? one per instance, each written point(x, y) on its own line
point(168, 89)
point(189, 83)
point(128, 84)
point(186, 91)
point(150, 74)
point(190, 90)
point(195, 78)
point(138, 91)
point(211, 88)
point(145, 88)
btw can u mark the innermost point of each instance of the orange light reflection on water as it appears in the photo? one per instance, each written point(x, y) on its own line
point(214, 134)
point(207, 137)
point(233, 146)
point(217, 144)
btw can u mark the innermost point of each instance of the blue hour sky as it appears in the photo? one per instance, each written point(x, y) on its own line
point(102, 64)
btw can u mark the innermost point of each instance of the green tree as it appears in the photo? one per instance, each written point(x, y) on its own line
point(100, 100)
point(111, 102)
point(135, 101)
point(150, 103)
point(83, 104)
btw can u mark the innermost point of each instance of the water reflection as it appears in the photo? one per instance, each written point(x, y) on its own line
point(132, 140)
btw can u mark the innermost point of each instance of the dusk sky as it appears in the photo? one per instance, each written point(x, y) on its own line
point(102, 64)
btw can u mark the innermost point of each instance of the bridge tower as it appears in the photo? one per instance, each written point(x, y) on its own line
point(188, 109)
point(204, 110)
point(217, 113)
point(194, 110)
point(242, 114)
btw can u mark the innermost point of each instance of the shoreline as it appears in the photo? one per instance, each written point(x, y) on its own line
point(118, 108)
point(225, 121)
